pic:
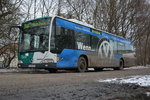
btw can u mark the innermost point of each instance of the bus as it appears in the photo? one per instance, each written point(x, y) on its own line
point(54, 43)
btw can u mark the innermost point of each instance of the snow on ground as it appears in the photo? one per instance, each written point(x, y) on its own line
point(8, 70)
point(147, 93)
point(133, 67)
point(90, 69)
point(142, 80)
point(137, 67)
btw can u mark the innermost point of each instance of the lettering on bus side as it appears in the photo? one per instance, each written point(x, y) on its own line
point(82, 46)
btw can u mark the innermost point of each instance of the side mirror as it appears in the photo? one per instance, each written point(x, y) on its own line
point(13, 32)
point(13, 27)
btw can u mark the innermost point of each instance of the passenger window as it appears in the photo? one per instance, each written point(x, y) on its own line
point(82, 41)
point(129, 48)
point(58, 30)
point(114, 47)
point(64, 39)
point(121, 48)
point(94, 43)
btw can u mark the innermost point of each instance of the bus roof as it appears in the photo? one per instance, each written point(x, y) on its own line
point(80, 23)
point(88, 25)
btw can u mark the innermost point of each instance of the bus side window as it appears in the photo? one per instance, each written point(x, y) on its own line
point(126, 48)
point(121, 48)
point(94, 43)
point(129, 48)
point(114, 47)
point(71, 38)
point(60, 39)
point(82, 41)
point(64, 38)
point(58, 30)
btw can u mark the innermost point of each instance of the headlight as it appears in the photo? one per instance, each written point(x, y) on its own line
point(20, 62)
point(48, 61)
point(57, 58)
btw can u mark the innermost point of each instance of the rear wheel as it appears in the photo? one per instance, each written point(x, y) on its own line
point(120, 66)
point(82, 64)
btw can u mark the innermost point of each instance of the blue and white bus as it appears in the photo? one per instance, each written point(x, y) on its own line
point(54, 43)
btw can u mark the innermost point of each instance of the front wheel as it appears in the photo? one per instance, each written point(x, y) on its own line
point(82, 64)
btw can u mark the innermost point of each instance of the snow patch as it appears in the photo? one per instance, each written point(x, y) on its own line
point(147, 93)
point(137, 67)
point(142, 80)
point(91, 69)
point(133, 67)
point(8, 70)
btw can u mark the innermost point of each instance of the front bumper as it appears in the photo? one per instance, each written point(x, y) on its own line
point(37, 65)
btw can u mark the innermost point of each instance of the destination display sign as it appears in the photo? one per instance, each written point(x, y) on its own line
point(36, 23)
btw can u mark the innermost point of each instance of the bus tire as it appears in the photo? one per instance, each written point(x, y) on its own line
point(121, 65)
point(98, 69)
point(82, 64)
point(52, 70)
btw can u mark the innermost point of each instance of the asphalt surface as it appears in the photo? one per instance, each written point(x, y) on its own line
point(68, 85)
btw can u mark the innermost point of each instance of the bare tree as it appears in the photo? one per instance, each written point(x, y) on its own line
point(141, 31)
point(9, 15)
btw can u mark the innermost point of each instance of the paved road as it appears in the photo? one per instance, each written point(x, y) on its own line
point(66, 85)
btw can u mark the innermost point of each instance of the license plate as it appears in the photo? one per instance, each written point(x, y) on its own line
point(31, 66)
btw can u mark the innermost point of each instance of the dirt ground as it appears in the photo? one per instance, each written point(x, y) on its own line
point(68, 85)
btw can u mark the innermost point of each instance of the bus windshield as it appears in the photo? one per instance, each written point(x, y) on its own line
point(34, 36)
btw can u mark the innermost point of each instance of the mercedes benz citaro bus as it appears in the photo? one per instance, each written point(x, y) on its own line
point(54, 43)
